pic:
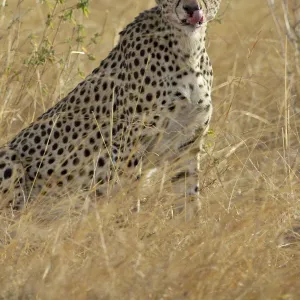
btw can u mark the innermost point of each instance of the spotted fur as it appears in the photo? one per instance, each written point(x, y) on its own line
point(151, 94)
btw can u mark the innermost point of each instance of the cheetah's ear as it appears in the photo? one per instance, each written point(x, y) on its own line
point(158, 1)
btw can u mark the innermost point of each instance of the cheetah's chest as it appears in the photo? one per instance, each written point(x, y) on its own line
point(197, 93)
point(193, 110)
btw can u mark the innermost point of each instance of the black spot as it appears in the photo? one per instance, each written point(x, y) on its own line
point(64, 172)
point(60, 151)
point(50, 172)
point(101, 162)
point(149, 97)
point(7, 173)
point(172, 107)
point(87, 152)
point(72, 99)
point(25, 148)
point(76, 161)
point(31, 151)
point(147, 80)
point(51, 161)
point(207, 107)
point(56, 134)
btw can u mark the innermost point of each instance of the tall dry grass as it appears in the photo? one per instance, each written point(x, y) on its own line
point(240, 243)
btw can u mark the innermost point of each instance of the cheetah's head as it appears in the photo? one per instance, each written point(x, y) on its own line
point(189, 13)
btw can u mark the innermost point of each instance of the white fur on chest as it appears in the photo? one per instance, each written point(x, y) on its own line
point(196, 109)
point(195, 89)
point(193, 111)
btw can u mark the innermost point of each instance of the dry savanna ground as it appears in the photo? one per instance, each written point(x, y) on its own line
point(236, 243)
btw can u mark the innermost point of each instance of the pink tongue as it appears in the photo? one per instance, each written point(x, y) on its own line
point(196, 18)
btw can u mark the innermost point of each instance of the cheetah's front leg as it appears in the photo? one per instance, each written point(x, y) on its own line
point(12, 179)
point(186, 180)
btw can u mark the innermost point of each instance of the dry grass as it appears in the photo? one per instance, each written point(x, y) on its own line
point(233, 247)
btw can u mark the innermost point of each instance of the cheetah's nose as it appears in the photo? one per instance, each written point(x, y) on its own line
point(190, 9)
point(195, 14)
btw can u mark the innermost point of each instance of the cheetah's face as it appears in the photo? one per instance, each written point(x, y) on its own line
point(191, 14)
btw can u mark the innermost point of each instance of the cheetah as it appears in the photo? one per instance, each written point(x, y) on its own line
point(152, 94)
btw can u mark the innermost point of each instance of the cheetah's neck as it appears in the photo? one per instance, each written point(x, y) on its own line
point(190, 47)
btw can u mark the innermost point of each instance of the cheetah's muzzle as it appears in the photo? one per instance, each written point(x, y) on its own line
point(194, 15)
